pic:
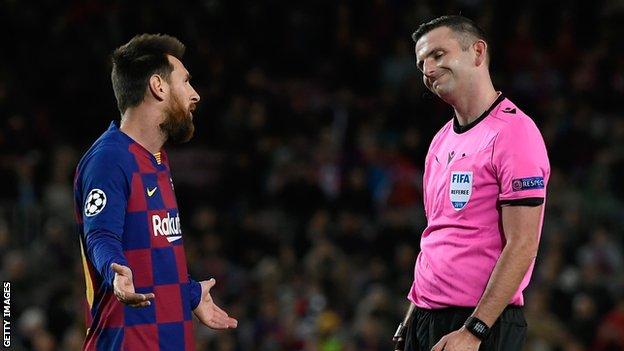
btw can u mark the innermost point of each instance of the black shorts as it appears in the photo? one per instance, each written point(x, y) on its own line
point(427, 327)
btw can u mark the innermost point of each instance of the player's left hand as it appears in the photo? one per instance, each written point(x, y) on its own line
point(209, 313)
point(459, 340)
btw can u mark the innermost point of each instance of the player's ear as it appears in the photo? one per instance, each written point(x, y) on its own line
point(480, 49)
point(158, 87)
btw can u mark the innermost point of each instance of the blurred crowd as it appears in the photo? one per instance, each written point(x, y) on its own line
point(301, 192)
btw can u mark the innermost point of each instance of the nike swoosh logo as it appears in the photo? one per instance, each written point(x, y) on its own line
point(173, 238)
point(151, 192)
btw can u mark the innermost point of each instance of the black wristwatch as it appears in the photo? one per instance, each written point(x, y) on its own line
point(477, 328)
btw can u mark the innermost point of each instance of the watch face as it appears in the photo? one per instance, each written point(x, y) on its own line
point(477, 328)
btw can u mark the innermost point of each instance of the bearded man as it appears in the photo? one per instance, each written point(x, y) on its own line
point(139, 293)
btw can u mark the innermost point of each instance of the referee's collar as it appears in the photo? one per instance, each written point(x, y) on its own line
point(459, 129)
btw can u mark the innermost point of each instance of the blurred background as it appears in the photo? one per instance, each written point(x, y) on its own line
point(301, 191)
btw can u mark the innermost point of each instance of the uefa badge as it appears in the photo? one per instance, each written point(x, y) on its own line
point(460, 189)
point(96, 200)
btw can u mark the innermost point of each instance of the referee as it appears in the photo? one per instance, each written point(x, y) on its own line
point(484, 184)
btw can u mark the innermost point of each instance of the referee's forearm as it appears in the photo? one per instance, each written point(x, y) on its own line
point(515, 260)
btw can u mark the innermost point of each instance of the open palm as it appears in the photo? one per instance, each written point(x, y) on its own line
point(209, 313)
point(123, 287)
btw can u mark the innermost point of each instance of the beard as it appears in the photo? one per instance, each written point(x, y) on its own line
point(178, 125)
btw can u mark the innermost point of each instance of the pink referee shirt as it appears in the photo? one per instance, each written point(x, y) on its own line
point(470, 172)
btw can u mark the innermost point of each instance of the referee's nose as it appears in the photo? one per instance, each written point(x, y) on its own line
point(429, 68)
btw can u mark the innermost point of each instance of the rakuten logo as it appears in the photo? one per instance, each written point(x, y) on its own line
point(168, 226)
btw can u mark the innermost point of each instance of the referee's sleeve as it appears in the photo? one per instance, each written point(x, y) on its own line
point(520, 161)
point(105, 192)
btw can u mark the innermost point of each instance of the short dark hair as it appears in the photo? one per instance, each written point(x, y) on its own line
point(463, 26)
point(136, 61)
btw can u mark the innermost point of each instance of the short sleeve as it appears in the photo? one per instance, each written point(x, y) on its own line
point(520, 161)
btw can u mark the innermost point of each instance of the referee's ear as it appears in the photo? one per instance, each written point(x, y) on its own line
point(480, 49)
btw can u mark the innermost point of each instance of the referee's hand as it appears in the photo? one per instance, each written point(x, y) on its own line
point(401, 332)
point(124, 288)
point(399, 343)
point(459, 340)
point(399, 338)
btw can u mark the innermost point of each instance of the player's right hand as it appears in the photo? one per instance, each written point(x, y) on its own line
point(124, 288)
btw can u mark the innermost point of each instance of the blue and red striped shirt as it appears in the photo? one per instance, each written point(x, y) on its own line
point(127, 213)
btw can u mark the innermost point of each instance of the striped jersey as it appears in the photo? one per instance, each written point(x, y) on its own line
point(126, 211)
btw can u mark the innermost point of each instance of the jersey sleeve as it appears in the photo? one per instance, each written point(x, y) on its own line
point(520, 161)
point(105, 192)
point(195, 295)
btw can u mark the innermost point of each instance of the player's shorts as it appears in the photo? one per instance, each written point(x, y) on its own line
point(427, 327)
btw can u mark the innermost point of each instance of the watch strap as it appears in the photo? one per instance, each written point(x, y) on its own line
point(477, 328)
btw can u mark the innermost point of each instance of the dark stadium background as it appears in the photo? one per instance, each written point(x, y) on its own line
point(301, 191)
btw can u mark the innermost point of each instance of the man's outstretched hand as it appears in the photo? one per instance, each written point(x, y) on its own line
point(209, 313)
point(124, 288)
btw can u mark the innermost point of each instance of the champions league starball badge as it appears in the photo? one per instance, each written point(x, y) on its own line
point(96, 200)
